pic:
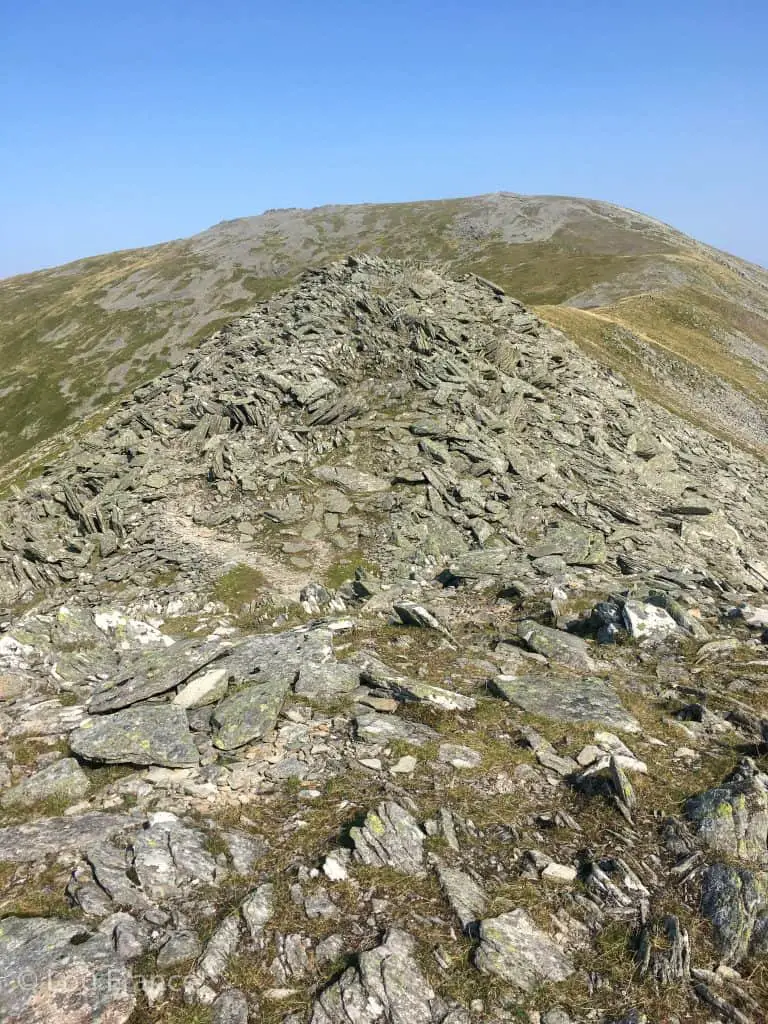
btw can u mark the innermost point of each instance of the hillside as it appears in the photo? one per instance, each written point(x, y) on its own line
point(688, 325)
point(386, 661)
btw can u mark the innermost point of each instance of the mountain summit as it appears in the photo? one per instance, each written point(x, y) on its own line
point(687, 325)
point(386, 660)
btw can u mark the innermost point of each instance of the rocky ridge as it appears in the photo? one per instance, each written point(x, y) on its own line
point(387, 660)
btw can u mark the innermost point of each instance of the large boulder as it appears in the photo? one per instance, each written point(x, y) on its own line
point(150, 734)
point(56, 970)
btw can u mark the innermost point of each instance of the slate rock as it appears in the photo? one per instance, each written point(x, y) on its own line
point(231, 1007)
point(145, 735)
point(567, 699)
point(466, 897)
point(27, 843)
point(732, 819)
point(248, 715)
point(257, 909)
point(390, 837)
point(327, 681)
point(513, 947)
point(735, 901)
point(385, 986)
point(56, 970)
point(382, 729)
point(181, 948)
point(203, 690)
point(64, 780)
point(557, 646)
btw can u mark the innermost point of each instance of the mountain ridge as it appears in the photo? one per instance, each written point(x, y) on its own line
point(686, 323)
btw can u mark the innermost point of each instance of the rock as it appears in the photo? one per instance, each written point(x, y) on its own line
point(732, 819)
point(577, 699)
point(63, 780)
point(386, 986)
point(202, 690)
point(563, 648)
point(336, 865)
point(327, 681)
point(182, 947)
point(562, 874)
point(375, 673)
point(375, 728)
point(167, 856)
point(390, 837)
point(150, 674)
point(405, 765)
point(258, 908)
point(248, 715)
point(467, 898)
point(220, 949)
point(231, 1007)
point(412, 614)
point(59, 971)
point(735, 901)
point(458, 756)
point(515, 949)
point(647, 622)
point(150, 734)
point(53, 836)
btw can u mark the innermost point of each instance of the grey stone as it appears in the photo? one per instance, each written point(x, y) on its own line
point(647, 622)
point(150, 734)
point(327, 681)
point(390, 837)
point(466, 897)
point(375, 728)
point(732, 819)
point(248, 715)
point(181, 948)
point(734, 899)
point(563, 648)
point(258, 908)
point(63, 780)
point(59, 971)
point(566, 698)
point(519, 952)
point(231, 1007)
point(53, 836)
point(386, 986)
point(152, 673)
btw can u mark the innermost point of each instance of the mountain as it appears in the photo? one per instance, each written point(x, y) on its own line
point(388, 660)
point(687, 324)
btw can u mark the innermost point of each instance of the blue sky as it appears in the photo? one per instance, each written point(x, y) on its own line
point(133, 123)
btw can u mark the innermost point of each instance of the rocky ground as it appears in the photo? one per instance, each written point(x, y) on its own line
point(386, 661)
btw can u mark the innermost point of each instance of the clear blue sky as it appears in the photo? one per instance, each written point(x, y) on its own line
point(129, 123)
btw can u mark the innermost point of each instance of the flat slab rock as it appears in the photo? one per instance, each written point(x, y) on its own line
point(567, 698)
point(152, 734)
point(24, 844)
point(56, 970)
point(386, 986)
point(513, 947)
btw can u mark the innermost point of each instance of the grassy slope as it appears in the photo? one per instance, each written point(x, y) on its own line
point(678, 318)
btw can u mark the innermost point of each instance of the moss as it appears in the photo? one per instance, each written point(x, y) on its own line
point(239, 586)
